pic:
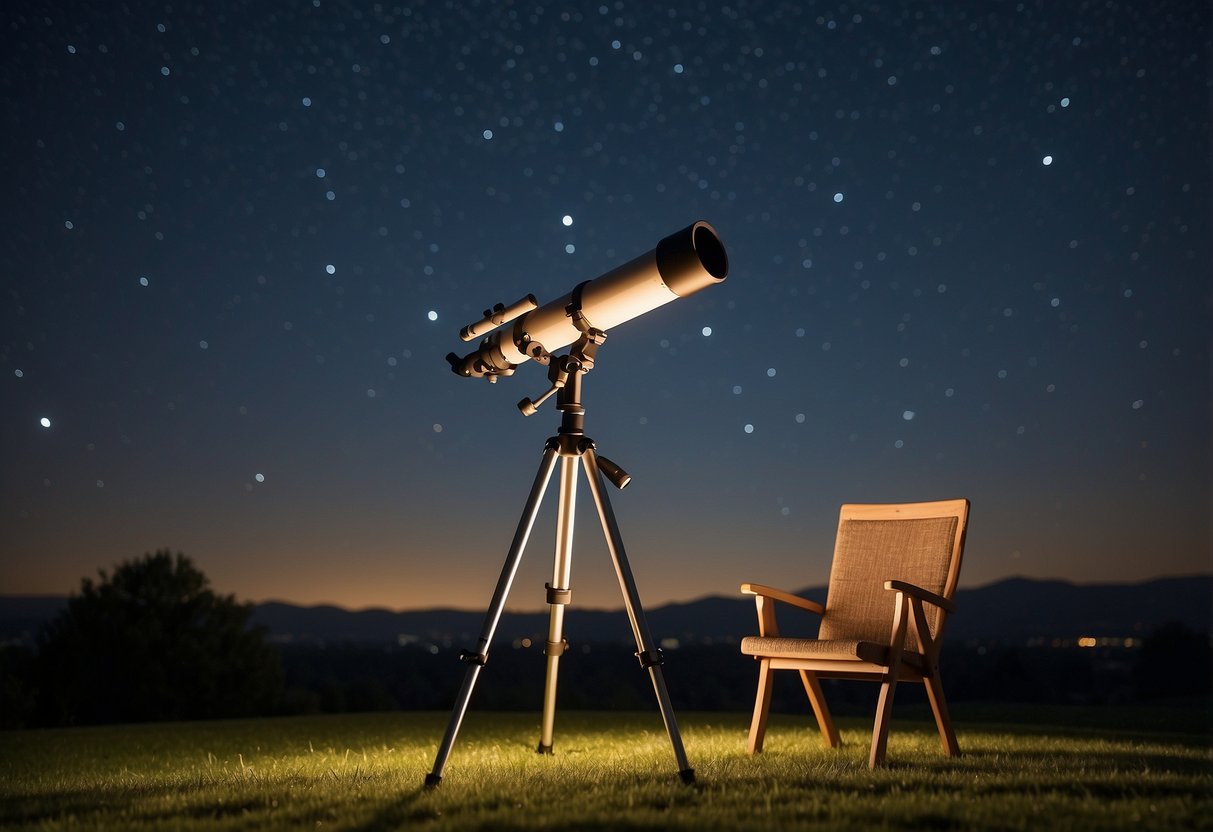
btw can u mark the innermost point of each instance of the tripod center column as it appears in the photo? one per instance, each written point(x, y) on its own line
point(559, 593)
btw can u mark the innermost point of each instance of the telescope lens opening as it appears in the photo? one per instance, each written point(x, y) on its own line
point(710, 251)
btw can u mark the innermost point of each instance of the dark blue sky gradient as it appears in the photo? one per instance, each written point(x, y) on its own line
point(969, 252)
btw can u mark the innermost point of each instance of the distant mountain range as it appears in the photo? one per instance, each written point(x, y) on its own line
point(1016, 610)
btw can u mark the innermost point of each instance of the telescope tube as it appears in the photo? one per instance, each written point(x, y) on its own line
point(681, 265)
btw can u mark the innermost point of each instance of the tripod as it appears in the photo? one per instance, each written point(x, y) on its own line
point(572, 449)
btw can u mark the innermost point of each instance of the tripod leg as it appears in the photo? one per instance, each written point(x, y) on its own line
point(558, 596)
point(476, 660)
point(650, 657)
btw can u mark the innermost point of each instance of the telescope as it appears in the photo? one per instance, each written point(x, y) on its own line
point(679, 266)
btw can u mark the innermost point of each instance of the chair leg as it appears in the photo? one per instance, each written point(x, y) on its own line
point(884, 709)
point(762, 707)
point(943, 722)
point(825, 722)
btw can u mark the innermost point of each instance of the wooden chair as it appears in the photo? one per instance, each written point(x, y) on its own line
point(891, 586)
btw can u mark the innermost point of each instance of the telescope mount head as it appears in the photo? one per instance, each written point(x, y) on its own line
point(564, 373)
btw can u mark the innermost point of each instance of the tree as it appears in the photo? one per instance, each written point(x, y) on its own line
point(154, 642)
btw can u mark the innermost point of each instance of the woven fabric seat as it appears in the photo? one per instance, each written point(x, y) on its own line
point(814, 648)
point(892, 580)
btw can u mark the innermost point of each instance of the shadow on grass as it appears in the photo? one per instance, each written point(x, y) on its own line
point(421, 805)
point(121, 801)
point(410, 807)
point(139, 804)
point(1087, 761)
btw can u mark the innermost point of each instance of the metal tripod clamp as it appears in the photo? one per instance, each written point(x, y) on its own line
point(468, 657)
point(558, 596)
point(651, 658)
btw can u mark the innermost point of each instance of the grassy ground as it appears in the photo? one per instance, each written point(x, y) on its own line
point(1022, 769)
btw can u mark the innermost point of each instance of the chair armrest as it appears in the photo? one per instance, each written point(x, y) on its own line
point(785, 597)
point(921, 594)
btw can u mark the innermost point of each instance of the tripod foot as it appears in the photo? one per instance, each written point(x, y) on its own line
point(545, 749)
point(687, 776)
point(432, 780)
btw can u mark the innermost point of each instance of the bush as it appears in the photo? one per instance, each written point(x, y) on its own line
point(153, 642)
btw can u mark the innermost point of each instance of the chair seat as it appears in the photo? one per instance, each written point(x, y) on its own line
point(813, 648)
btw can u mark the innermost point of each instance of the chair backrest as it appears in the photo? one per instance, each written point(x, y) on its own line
point(920, 543)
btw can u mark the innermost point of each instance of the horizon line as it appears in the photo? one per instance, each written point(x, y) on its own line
point(697, 599)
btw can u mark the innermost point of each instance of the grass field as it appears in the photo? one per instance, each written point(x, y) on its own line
point(1022, 769)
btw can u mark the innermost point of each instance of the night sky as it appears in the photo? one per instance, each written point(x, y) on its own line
point(969, 249)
